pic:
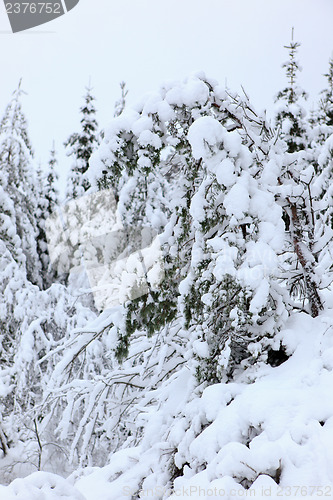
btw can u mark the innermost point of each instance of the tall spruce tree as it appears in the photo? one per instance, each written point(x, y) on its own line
point(19, 263)
point(80, 147)
point(290, 117)
point(19, 181)
point(32, 322)
point(47, 204)
point(297, 165)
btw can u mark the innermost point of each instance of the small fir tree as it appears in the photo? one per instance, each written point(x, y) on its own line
point(121, 103)
point(80, 147)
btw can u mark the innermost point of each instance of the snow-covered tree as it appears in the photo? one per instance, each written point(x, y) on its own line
point(207, 239)
point(33, 322)
point(295, 162)
point(197, 165)
point(326, 100)
point(121, 103)
point(80, 147)
point(19, 183)
point(48, 201)
point(232, 297)
point(290, 109)
point(322, 160)
point(186, 165)
point(52, 178)
point(321, 117)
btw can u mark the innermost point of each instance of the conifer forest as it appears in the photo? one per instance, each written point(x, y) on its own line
point(166, 326)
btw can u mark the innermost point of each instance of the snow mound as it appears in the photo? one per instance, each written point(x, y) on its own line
point(40, 486)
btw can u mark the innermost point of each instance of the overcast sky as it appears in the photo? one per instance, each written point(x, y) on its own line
point(146, 42)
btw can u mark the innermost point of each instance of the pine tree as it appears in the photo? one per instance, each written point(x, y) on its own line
point(52, 178)
point(233, 299)
point(80, 147)
point(19, 181)
point(121, 103)
point(290, 117)
point(323, 161)
point(326, 101)
point(19, 263)
point(321, 118)
point(47, 204)
point(295, 160)
point(33, 322)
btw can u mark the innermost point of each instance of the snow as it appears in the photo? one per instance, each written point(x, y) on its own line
point(200, 348)
point(270, 172)
point(267, 425)
point(192, 92)
point(197, 209)
point(261, 254)
point(40, 486)
point(283, 419)
point(237, 200)
point(148, 138)
point(225, 173)
point(142, 124)
point(225, 263)
point(119, 280)
point(327, 150)
point(233, 143)
point(205, 132)
point(260, 298)
point(284, 406)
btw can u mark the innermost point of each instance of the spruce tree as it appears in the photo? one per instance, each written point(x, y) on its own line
point(232, 296)
point(321, 118)
point(326, 100)
point(19, 181)
point(33, 322)
point(80, 147)
point(295, 159)
point(290, 117)
point(121, 103)
point(47, 204)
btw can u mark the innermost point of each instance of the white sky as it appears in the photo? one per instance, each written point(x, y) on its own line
point(146, 42)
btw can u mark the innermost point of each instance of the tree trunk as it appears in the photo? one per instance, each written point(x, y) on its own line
point(312, 293)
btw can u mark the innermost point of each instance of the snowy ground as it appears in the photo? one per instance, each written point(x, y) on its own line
point(274, 426)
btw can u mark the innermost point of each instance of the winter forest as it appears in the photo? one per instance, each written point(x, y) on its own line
point(167, 323)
